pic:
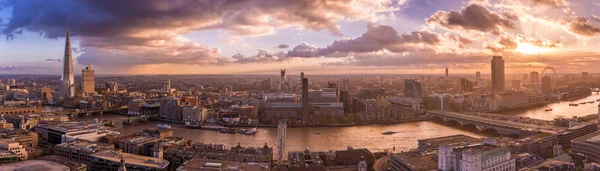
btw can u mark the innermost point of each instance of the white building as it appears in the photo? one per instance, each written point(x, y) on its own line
point(475, 158)
point(15, 147)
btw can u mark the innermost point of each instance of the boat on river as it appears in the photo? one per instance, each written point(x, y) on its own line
point(548, 110)
point(163, 126)
point(388, 132)
point(250, 131)
point(228, 131)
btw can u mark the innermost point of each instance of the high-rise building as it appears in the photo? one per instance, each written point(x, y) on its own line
point(88, 83)
point(534, 77)
point(477, 75)
point(168, 85)
point(584, 74)
point(466, 85)
point(497, 74)
point(546, 85)
point(525, 77)
point(66, 88)
point(282, 75)
point(446, 72)
point(345, 99)
point(301, 76)
point(305, 97)
point(412, 88)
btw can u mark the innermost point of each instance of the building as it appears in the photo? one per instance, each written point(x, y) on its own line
point(431, 144)
point(446, 72)
point(346, 101)
point(36, 165)
point(466, 85)
point(497, 74)
point(412, 88)
point(134, 107)
point(80, 151)
point(534, 77)
point(438, 101)
point(194, 114)
point(565, 136)
point(351, 157)
point(245, 111)
point(200, 164)
point(410, 161)
point(67, 89)
point(546, 85)
point(88, 84)
point(304, 95)
point(483, 157)
point(477, 75)
point(171, 109)
point(73, 165)
point(14, 147)
point(589, 145)
point(111, 160)
point(8, 157)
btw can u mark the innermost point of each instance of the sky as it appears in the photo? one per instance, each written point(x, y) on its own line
point(311, 36)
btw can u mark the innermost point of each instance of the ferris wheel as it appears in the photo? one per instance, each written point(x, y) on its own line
point(553, 75)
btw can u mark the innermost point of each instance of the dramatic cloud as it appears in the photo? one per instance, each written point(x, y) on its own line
point(582, 26)
point(595, 17)
point(539, 42)
point(473, 17)
point(139, 27)
point(462, 41)
point(283, 46)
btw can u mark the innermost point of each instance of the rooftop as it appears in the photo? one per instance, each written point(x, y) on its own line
point(417, 162)
point(132, 159)
point(34, 165)
point(198, 164)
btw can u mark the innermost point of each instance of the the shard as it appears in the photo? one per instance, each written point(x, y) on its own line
point(66, 87)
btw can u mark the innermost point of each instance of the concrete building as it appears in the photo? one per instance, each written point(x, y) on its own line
point(498, 80)
point(589, 145)
point(134, 107)
point(73, 165)
point(466, 85)
point(482, 157)
point(200, 164)
point(534, 77)
point(194, 114)
point(111, 160)
point(171, 109)
point(515, 85)
point(80, 151)
point(412, 88)
point(304, 96)
point(8, 157)
point(88, 84)
point(438, 101)
point(546, 85)
point(477, 75)
point(15, 147)
point(245, 111)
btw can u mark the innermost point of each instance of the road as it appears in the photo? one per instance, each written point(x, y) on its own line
point(379, 164)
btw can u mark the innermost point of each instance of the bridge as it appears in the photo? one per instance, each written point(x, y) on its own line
point(90, 111)
point(505, 125)
point(596, 90)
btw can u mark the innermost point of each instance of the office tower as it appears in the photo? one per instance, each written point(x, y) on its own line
point(446, 72)
point(534, 77)
point(66, 88)
point(525, 77)
point(466, 85)
point(516, 84)
point(269, 83)
point(88, 83)
point(546, 85)
point(305, 97)
point(477, 75)
point(497, 74)
point(584, 74)
point(337, 90)
point(168, 85)
point(345, 99)
point(301, 76)
point(412, 88)
point(283, 75)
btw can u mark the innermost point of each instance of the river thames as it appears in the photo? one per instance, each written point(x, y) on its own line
point(364, 136)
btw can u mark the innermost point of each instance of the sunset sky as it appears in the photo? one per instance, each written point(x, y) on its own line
point(314, 36)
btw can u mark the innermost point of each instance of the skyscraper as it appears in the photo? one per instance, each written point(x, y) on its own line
point(546, 85)
point(446, 72)
point(412, 88)
point(168, 85)
point(305, 97)
point(534, 77)
point(282, 75)
point(88, 83)
point(66, 88)
point(466, 85)
point(497, 74)
point(301, 76)
point(477, 75)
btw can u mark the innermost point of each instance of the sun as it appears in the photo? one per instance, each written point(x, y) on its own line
point(530, 49)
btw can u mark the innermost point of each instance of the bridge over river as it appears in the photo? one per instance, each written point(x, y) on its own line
point(505, 125)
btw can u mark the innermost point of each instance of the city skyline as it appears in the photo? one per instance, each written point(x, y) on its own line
point(358, 37)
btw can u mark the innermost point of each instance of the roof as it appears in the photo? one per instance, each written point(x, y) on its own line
point(494, 152)
point(132, 159)
point(34, 165)
point(198, 164)
point(417, 162)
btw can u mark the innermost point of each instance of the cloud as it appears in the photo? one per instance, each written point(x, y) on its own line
point(595, 17)
point(283, 46)
point(263, 56)
point(508, 43)
point(139, 27)
point(54, 60)
point(376, 38)
point(473, 17)
point(551, 3)
point(540, 42)
point(582, 26)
